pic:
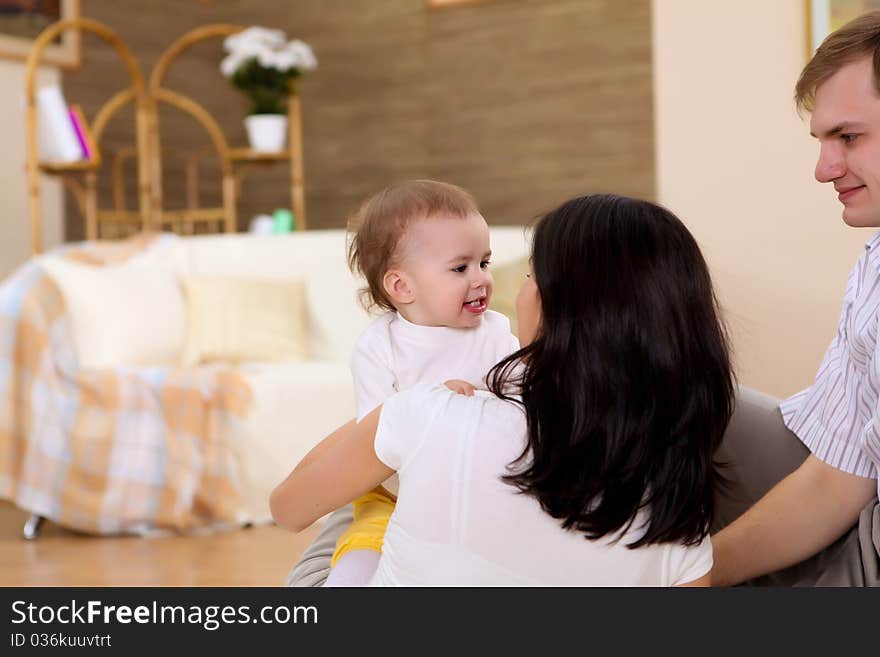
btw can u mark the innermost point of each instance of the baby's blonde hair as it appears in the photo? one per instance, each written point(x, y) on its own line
point(377, 227)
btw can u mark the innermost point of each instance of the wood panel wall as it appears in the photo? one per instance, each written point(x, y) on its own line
point(524, 102)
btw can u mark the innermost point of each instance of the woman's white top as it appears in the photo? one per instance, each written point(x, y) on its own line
point(457, 524)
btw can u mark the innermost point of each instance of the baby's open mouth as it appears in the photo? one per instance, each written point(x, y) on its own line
point(478, 305)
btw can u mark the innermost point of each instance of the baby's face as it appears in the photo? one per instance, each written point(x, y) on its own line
point(446, 260)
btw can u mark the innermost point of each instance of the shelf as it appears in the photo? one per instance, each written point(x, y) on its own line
point(69, 167)
point(76, 166)
point(248, 155)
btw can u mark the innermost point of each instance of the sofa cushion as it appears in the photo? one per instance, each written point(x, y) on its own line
point(294, 406)
point(315, 257)
point(233, 320)
point(129, 314)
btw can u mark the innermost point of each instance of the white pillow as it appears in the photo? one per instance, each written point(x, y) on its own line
point(131, 314)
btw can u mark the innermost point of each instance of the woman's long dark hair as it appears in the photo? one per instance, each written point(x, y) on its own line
point(628, 387)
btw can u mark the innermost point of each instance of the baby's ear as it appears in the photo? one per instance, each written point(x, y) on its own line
point(397, 287)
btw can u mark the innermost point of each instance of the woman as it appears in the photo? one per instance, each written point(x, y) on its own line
point(590, 463)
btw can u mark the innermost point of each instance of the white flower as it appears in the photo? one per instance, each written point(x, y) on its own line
point(254, 36)
point(230, 64)
point(302, 55)
point(265, 56)
point(269, 48)
point(283, 60)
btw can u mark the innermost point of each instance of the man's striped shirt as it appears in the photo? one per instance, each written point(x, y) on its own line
point(838, 417)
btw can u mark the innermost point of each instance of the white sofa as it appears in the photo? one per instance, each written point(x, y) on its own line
point(296, 403)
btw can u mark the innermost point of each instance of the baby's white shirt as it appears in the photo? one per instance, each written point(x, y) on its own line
point(393, 354)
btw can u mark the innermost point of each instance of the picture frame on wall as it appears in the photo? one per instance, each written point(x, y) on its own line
point(21, 21)
point(825, 16)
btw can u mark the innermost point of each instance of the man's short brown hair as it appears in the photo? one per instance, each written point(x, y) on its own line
point(377, 227)
point(857, 39)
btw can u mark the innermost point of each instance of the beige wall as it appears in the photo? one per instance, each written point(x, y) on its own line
point(15, 245)
point(736, 163)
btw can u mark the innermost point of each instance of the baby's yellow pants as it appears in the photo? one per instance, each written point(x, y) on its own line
point(371, 514)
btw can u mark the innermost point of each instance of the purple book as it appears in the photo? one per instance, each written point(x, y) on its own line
point(80, 133)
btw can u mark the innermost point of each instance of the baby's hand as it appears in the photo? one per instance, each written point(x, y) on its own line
point(461, 387)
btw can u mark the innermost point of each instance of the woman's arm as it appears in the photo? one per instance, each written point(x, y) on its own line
point(338, 469)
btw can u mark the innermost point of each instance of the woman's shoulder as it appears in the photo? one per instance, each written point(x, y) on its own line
point(438, 395)
point(427, 416)
point(421, 396)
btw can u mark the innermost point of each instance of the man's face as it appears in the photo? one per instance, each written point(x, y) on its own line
point(846, 121)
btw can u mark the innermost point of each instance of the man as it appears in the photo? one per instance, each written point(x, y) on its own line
point(820, 525)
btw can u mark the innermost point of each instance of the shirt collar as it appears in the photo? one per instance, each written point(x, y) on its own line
point(430, 333)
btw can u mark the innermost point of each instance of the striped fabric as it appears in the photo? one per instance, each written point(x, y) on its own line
point(838, 417)
point(109, 451)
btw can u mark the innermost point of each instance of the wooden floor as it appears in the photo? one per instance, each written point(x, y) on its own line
point(259, 556)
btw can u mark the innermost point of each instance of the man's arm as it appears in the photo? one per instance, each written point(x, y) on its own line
point(804, 513)
point(338, 469)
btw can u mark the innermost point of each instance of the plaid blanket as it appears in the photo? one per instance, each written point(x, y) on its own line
point(109, 451)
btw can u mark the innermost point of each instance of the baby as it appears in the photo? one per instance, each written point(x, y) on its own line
point(423, 249)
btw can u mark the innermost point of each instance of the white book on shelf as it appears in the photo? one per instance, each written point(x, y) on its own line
point(57, 139)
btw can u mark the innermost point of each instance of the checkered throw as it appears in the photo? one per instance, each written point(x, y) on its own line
point(129, 450)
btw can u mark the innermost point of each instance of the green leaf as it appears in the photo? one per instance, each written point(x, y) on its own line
point(267, 88)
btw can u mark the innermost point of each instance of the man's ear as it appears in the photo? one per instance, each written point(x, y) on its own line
point(397, 287)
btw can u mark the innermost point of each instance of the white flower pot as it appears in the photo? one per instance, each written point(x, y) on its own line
point(266, 132)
